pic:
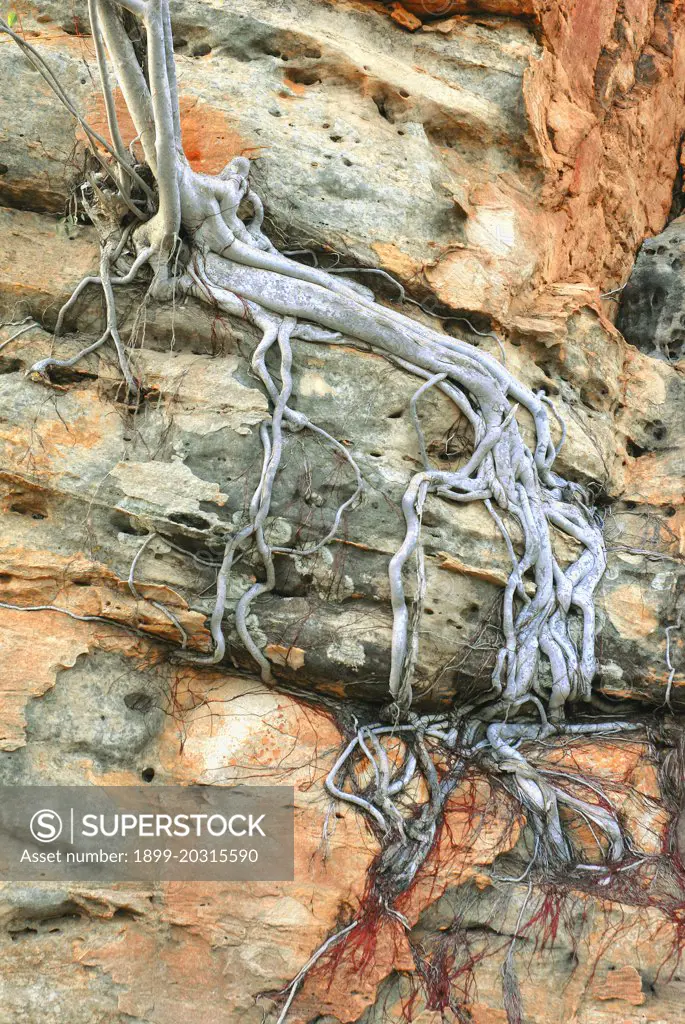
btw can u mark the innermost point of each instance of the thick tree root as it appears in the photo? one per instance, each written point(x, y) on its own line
point(407, 837)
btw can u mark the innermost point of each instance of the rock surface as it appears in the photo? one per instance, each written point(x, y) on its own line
point(651, 313)
point(504, 163)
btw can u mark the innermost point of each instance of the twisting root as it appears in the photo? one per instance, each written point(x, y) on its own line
point(235, 267)
point(669, 664)
point(189, 231)
point(407, 841)
point(155, 604)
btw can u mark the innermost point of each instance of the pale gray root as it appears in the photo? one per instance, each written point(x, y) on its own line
point(669, 664)
point(406, 837)
point(519, 490)
point(234, 266)
point(96, 140)
point(407, 834)
point(541, 800)
point(74, 615)
point(155, 604)
point(108, 96)
point(17, 334)
point(294, 985)
point(511, 990)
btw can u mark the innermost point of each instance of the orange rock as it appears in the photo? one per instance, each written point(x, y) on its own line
point(28, 270)
point(484, 1014)
point(208, 139)
point(424, 9)
point(31, 577)
point(623, 983)
point(34, 646)
point(632, 610)
point(293, 657)
point(402, 16)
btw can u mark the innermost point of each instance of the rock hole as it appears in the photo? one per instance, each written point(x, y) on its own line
point(304, 76)
point(10, 365)
point(382, 108)
point(28, 505)
point(634, 449)
point(139, 701)
point(69, 375)
point(548, 386)
point(147, 774)
point(675, 350)
point(125, 911)
point(201, 50)
point(122, 524)
point(188, 519)
point(656, 297)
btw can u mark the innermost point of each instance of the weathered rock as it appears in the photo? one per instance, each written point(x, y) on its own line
point(506, 161)
point(168, 951)
point(508, 166)
point(651, 313)
point(182, 469)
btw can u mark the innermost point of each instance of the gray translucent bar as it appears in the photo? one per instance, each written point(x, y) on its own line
point(146, 833)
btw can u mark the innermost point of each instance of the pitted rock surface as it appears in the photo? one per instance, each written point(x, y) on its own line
point(652, 310)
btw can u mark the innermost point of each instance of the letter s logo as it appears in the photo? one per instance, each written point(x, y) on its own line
point(46, 826)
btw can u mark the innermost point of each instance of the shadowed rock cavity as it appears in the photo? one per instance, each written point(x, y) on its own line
point(652, 309)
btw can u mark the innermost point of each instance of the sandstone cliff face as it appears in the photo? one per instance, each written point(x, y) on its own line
point(504, 161)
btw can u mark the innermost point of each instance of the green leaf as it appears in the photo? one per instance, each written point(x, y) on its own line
point(11, 18)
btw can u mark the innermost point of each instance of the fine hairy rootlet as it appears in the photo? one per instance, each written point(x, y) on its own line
point(192, 234)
